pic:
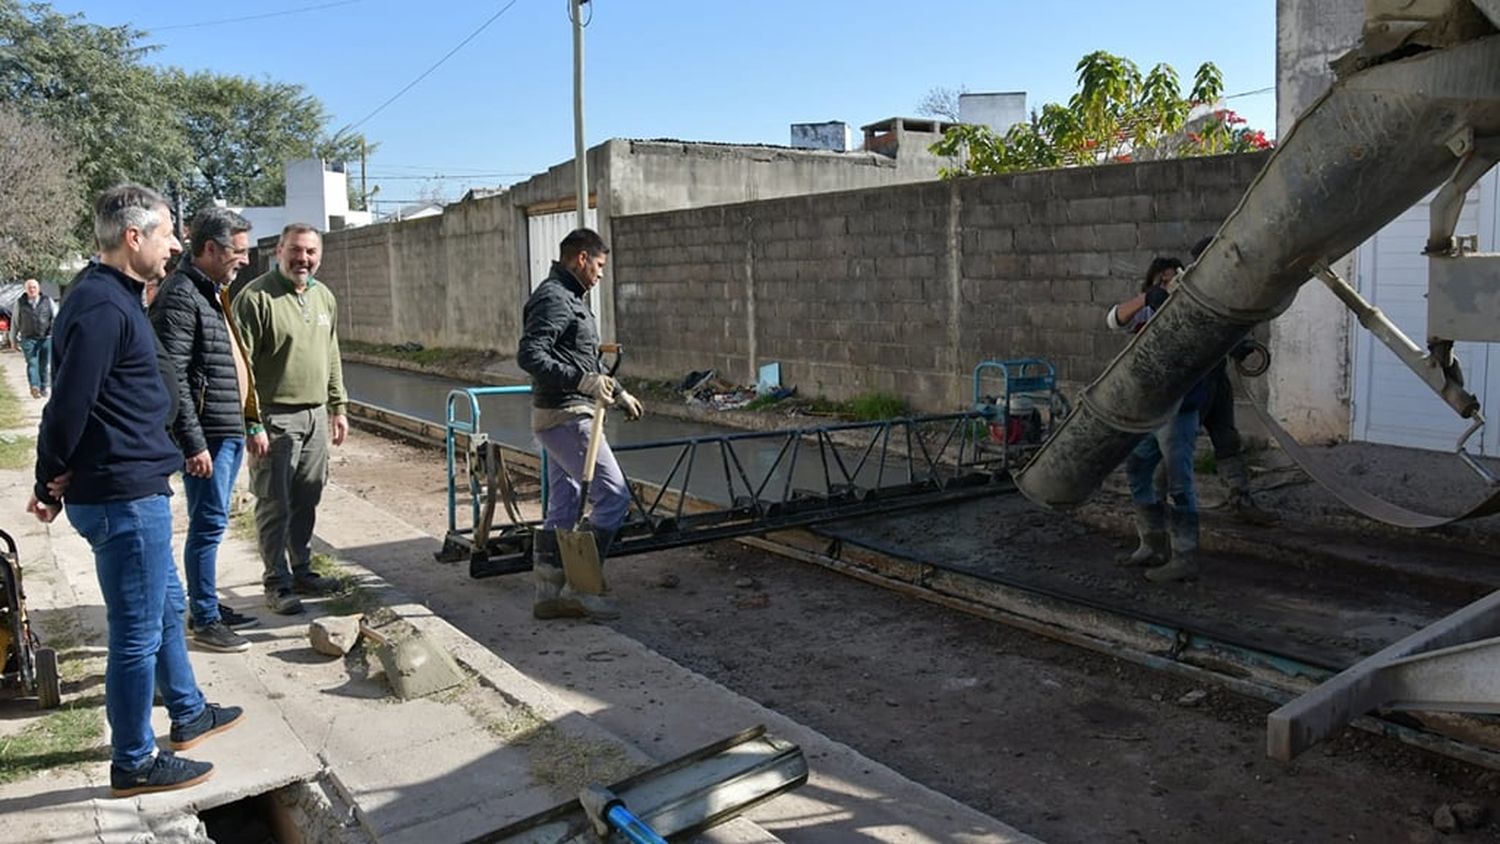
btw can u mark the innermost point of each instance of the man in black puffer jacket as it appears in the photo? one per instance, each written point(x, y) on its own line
point(216, 401)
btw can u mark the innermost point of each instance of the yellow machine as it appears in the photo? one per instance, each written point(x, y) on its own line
point(28, 666)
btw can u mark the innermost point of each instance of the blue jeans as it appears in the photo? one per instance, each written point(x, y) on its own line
point(208, 517)
point(38, 354)
point(132, 542)
point(1176, 441)
point(566, 447)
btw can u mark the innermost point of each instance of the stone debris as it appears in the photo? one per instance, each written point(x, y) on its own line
point(334, 635)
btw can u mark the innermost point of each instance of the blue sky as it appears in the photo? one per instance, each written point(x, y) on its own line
point(713, 70)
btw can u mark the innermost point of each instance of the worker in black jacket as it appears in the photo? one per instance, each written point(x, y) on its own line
point(560, 350)
point(214, 396)
point(1217, 417)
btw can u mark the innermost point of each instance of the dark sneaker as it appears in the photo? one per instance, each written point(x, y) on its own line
point(283, 602)
point(315, 584)
point(167, 772)
point(235, 620)
point(217, 636)
point(213, 720)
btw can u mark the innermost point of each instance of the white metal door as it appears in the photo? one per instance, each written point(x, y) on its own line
point(1489, 241)
point(543, 234)
point(1391, 405)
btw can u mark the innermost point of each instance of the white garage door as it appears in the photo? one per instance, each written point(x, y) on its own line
point(543, 233)
point(1391, 405)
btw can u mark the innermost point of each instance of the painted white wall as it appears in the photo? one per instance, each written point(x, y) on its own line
point(999, 111)
point(1309, 382)
point(314, 195)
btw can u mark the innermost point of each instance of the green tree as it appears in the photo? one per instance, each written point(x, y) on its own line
point(89, 84)
point(242, 132)
point(41, 197)
point(1117, 114)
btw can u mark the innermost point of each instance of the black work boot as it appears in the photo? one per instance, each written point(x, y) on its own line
point(547, 575)
point(1151, 528)
point(602, 606)
point(1237, 478)
point(1184, 562)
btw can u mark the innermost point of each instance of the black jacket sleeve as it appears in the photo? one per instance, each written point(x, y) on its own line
point(546, 318)
point(175, 318)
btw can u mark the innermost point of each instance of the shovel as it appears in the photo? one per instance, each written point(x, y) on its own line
point(413, 666)
point(580, 554)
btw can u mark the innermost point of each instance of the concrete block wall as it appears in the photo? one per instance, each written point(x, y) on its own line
point(903, 289)
point(449, 280)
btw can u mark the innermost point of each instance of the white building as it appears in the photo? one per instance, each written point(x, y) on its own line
point(1332, 379)
point(317, 192)
point(999, 111)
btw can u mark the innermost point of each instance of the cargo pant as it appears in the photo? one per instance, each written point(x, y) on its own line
point(288, 484)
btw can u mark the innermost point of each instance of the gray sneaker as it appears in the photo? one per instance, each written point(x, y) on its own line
point(283, 602)
point(216, 636)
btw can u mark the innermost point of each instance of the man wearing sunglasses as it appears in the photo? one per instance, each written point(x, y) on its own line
point(215, 401)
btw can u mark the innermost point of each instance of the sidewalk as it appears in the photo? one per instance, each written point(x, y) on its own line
point(512, 742)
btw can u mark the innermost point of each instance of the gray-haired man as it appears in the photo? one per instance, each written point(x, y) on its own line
point(103, 448)
point(215, 401)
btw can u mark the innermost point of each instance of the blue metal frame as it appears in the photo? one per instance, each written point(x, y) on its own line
point(453, 425)
point(1018, 380)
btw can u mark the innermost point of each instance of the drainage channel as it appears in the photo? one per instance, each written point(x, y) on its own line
point(1267, 669)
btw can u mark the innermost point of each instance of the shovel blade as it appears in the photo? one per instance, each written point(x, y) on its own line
point(417, 668)
point(580, 559)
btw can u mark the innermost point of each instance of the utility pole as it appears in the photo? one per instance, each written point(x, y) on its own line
point(364, 195)
point(580, 158)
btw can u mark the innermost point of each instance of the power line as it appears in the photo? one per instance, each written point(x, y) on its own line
point(435, 168)
point(261, 16)
point(471, 36)
point(1256, 92)
point(456, 177)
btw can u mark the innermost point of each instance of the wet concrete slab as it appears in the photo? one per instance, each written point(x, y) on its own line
point(1286, 601)
point(1287, 604)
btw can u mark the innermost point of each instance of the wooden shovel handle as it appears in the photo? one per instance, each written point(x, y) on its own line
point(596, 434)
point(377, 638)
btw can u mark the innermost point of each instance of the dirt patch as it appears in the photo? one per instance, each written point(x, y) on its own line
point(1064, 744)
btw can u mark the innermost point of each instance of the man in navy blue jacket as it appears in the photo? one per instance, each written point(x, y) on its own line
point(103, 446)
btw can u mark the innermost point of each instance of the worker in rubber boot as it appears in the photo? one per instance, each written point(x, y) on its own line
point(559, 349)
point(1218, 421)
point(1168, 537)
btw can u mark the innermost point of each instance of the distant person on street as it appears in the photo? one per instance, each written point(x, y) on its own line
point(288, 323)
point(1168, 541)
point(560, 350)
point(215, 397)
point(103, 450)
point(33, 328)
point(1218, 421)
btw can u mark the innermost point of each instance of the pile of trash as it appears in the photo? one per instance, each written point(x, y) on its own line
point(707, 389)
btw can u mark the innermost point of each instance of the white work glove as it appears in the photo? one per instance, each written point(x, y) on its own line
point(630, 404)
point(598, 387)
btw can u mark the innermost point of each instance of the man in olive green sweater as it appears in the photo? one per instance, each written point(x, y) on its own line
point(288, 324)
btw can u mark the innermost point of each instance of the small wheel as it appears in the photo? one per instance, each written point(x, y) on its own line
point(48, 683)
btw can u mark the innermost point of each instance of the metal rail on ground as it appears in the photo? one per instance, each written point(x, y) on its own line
point(818, 474)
